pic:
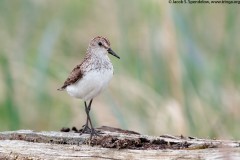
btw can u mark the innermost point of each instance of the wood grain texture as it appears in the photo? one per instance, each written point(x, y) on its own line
point(114, 144)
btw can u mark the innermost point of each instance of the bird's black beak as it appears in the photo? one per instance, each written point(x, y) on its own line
point(110, 51)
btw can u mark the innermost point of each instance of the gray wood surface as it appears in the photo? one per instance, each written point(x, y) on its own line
point(112, 144)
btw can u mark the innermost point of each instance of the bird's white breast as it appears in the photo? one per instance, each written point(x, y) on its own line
point(91, 84)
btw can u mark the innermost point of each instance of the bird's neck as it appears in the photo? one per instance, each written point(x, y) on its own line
point(99, 55)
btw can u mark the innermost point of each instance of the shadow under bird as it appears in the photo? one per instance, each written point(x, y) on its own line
point(89, 78)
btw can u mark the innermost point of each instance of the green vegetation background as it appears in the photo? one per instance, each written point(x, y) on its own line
point(178, 73)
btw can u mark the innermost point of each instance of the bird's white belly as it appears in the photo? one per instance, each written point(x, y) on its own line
point(91, 84)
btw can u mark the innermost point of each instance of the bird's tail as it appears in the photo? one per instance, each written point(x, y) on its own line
point(60, 89)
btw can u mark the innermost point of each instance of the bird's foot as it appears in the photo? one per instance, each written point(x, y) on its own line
point(94, 132)
point(85, 129)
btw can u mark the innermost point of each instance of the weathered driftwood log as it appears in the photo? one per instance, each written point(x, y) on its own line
point(112, 144)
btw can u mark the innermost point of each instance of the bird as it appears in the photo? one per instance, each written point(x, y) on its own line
point(89, 78)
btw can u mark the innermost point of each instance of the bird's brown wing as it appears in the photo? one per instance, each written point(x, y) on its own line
point(74, 76)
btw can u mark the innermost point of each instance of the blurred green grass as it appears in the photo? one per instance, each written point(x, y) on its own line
point(178, 73)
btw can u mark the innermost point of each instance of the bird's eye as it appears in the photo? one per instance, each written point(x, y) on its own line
point(100, 43)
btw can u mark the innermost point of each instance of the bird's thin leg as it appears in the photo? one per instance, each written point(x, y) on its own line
point(93, 131)
point(87, 110)
point(86, 128)
point(89, 105)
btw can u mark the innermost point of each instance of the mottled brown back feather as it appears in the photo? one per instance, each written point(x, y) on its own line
point(74, 76)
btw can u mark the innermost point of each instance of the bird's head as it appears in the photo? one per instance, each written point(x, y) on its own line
point(101, 45)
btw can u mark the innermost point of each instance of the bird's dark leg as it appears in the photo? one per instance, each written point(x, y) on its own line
point(93, 131)
point(85, 128)
point(89, 105)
